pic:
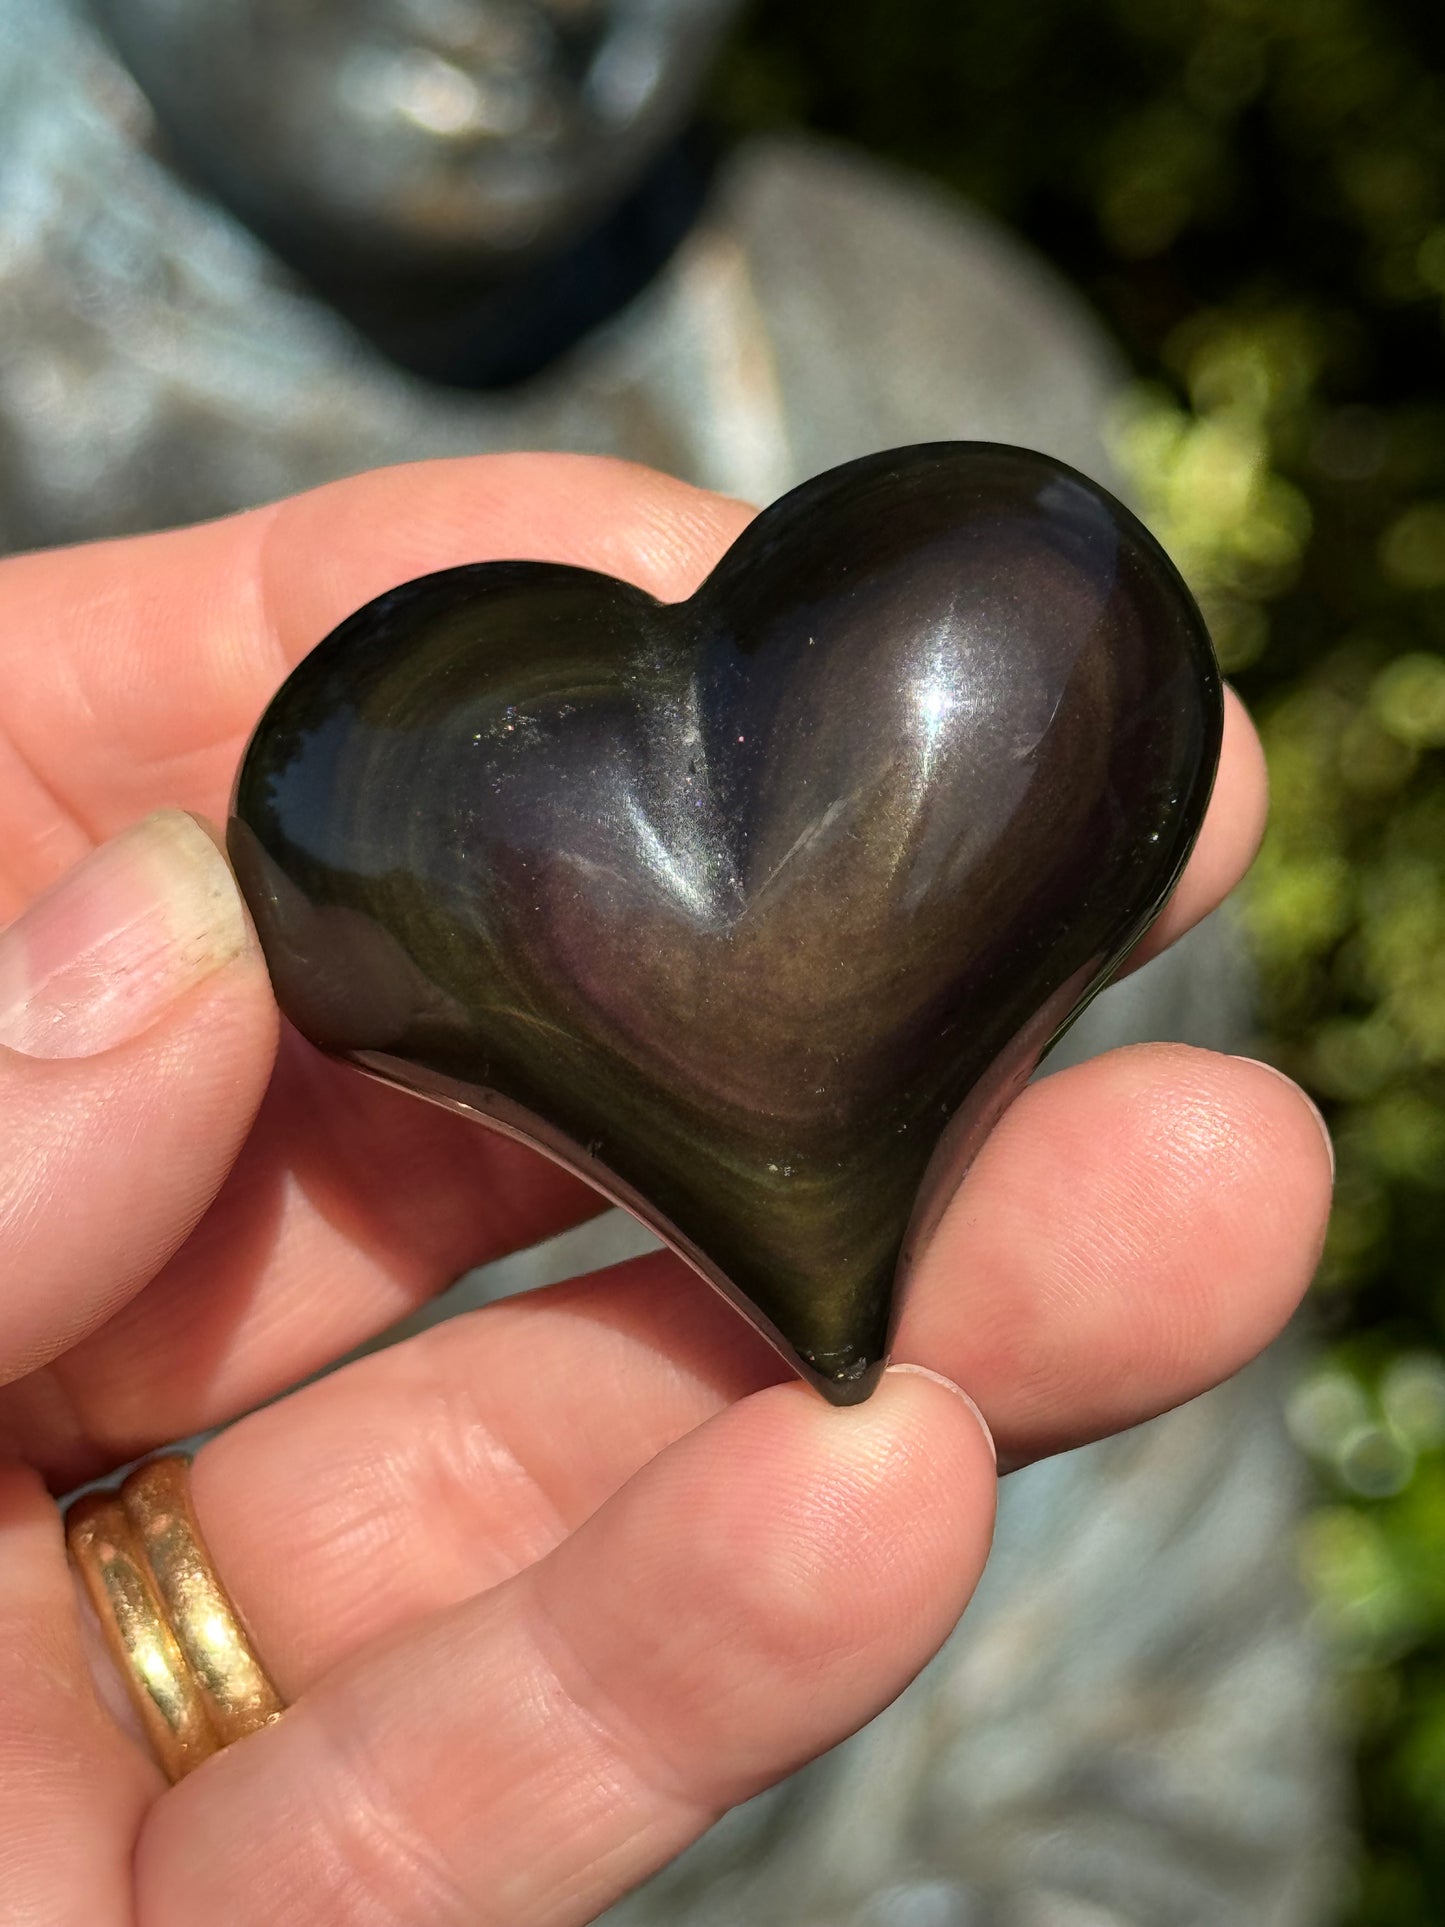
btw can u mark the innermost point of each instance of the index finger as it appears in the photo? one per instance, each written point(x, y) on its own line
point(133, 671)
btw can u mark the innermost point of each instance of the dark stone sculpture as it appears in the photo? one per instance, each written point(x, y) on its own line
point(473, 183)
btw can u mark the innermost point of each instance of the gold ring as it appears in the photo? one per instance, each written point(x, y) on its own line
point(177, 1640)
point(133, 1620)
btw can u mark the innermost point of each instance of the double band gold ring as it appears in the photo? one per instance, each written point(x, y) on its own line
point(187, 1661)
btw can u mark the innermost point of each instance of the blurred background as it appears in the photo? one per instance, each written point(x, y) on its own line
point(239, 253)
point(1252, 192)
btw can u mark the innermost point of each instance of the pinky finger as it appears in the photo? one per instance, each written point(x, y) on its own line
point(757, 1592)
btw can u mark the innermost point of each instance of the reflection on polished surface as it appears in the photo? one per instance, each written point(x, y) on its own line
point(732, 905)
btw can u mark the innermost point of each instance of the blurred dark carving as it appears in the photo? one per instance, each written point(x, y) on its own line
point(473, 182)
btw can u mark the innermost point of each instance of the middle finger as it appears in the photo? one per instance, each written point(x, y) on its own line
point(1134, 1231)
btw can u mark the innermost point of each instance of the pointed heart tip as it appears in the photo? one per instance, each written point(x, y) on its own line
point(852, 1387)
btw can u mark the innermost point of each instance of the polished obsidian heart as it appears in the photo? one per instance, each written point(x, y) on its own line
point(753, 909)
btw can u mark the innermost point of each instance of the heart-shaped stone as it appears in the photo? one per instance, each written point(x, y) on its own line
point(754, 909)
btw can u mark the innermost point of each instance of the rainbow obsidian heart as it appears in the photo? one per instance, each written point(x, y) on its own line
point(754, 909)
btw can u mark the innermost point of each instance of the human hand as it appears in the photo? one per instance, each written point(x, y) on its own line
point(551, 1586)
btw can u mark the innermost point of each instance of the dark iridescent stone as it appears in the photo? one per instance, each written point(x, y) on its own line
point(756, 909)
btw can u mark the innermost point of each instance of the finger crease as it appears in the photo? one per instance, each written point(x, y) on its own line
point(372, 1848)
point(621, 1738)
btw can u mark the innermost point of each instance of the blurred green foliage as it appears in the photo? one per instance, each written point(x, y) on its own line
point(1253, 193)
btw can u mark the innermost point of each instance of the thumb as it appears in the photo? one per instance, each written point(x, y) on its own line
point(137, 1031)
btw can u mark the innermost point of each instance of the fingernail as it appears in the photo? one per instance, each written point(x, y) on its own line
point(99, 957)
point(1300, 1091)
point(923, 1371)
